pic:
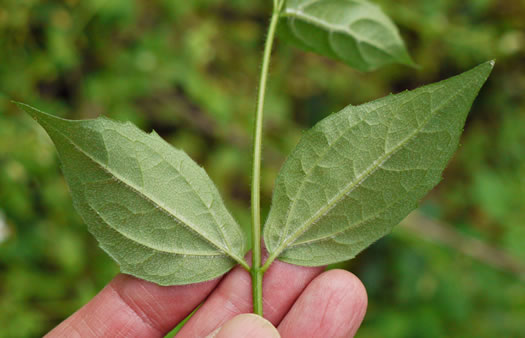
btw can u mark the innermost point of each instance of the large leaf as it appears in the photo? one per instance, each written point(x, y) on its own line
point(356, 32)
point(152, 208)
point(359, 172)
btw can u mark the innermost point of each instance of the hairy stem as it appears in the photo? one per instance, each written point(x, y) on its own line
point(256, 273)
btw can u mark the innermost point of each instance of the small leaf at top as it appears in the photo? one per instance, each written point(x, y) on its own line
point(152, 209)
point(359, 172)
point(356, 32)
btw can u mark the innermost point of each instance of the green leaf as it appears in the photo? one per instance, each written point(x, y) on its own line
point(356, 32)
point(359, 172)
point(152, 208)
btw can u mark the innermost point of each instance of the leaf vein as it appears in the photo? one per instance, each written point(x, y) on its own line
point(370, 170)
point(148, 198)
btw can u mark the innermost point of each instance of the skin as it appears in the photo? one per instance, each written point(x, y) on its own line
point(298, 301)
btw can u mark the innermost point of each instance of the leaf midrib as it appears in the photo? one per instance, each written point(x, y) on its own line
point(148, 198)
point(310, 171)
point(146, 245)
point(211, 211)
point(370, 170)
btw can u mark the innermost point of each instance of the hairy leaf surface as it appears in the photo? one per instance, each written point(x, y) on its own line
point(359, 172)
point(356, 32)
point(153, 209)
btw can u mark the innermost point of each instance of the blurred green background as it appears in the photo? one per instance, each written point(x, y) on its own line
point(189, 69)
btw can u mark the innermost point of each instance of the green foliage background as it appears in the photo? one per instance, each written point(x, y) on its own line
point(188, 69)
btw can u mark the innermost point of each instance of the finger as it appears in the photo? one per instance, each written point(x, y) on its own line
point(246, 325)
point(333, 305)
point(130, 307)
point(282, 284)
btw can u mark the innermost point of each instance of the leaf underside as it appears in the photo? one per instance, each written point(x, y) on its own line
point(152, 209)
point(356, 32)
point(359, 172)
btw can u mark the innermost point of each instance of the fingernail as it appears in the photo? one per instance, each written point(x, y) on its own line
point(214, 333)
point(246, 325)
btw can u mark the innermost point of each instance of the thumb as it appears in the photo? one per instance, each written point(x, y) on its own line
point(246, 325)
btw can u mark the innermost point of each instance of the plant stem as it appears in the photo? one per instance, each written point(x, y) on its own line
point(256, 273)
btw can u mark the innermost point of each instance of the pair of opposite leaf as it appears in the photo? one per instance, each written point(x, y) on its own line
point(350, 179)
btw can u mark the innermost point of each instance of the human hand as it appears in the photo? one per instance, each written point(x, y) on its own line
point(299, 301)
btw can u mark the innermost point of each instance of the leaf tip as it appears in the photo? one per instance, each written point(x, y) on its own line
point(33, 112)
point(414, 65)
point(486, 68)
point(490, 64)
point(406, 59)
point(37, 114)
point(25, 107)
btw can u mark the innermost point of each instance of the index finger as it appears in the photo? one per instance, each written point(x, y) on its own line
point(130, 307)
